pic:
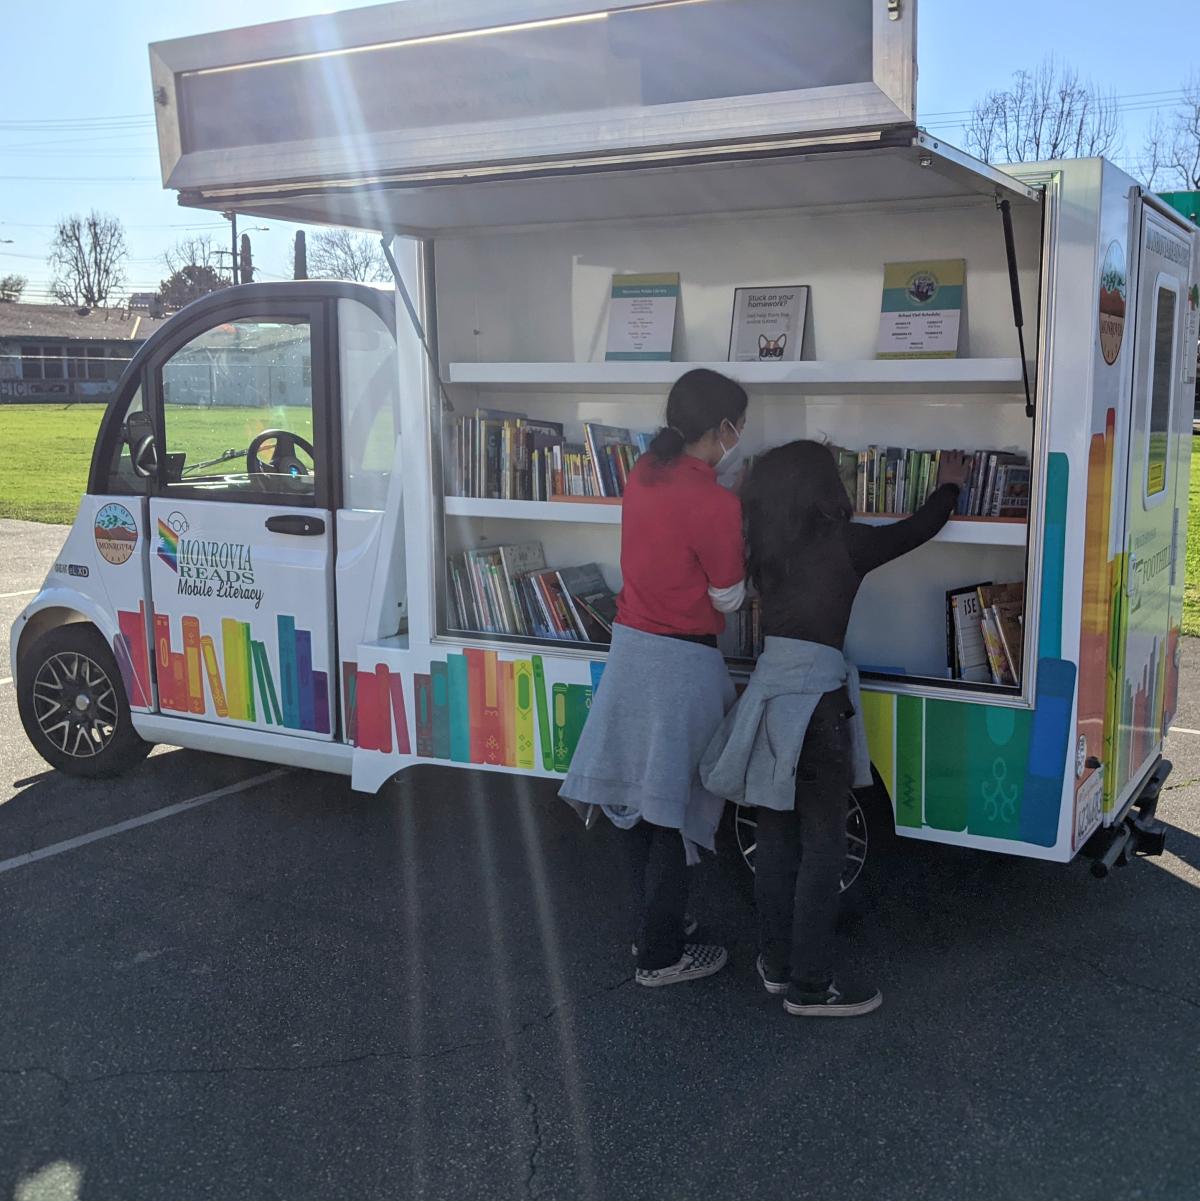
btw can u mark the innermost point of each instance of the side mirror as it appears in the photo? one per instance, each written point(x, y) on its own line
point(143, 450)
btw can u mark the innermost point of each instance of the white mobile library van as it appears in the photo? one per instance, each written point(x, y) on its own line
point(320, 529)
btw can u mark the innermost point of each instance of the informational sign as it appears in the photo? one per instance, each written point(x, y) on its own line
point(641, 317)
point(768, 324)
point(922, 305)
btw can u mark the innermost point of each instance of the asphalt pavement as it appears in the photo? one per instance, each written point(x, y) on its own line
point(295, 991)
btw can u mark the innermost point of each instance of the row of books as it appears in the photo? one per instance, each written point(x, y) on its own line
point(510, 590)
point(508, 456)
point(985, 630)
point(889, 479)
point(743, 637)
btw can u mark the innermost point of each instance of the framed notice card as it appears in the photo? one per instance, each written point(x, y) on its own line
point(768, 323)
point(922, 305)
point(641, 317)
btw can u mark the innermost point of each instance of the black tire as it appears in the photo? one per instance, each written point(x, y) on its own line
point(73, 706)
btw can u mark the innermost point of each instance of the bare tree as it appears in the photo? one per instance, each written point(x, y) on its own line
point(88, 256)
point(11, 287)
point(1048, 113)
point(198, 251)
point(1170, 159)
point(343, 254)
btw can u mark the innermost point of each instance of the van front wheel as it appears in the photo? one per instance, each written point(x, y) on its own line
point(73, 706)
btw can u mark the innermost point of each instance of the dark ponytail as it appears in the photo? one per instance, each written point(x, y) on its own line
point(701, 400)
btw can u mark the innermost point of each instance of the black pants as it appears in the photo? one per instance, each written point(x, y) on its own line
point(660, 887)
point(802, 852)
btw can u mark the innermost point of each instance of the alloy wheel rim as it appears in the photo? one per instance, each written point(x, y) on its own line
point(746, 828)
point(75, 704)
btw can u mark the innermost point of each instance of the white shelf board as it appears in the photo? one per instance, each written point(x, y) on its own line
point(997, 379)
point(972, 533)
point(579, 512)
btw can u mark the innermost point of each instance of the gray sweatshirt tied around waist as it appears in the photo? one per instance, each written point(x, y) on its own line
point(753, 756)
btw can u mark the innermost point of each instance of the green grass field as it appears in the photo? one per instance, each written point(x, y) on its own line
point(46, 450)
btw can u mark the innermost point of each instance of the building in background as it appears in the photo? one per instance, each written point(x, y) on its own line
point(58, 354)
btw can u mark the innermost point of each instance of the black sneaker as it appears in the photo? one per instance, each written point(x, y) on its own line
point(690, 926)
point(774, 987)
point(833, 1002)
point(696, 962)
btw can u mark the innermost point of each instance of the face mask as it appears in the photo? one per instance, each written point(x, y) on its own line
point(731, 456)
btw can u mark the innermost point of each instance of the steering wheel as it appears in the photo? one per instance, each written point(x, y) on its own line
point(283, 461)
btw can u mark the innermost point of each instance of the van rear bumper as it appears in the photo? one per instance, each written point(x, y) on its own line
point(1136, 831)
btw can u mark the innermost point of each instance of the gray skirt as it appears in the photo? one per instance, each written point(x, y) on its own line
point(657, 707)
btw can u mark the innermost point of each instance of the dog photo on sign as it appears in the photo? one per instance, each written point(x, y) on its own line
point(768, 324)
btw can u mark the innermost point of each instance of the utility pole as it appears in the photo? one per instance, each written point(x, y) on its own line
point(247, 264)
point(301, 261)
point(231, 217)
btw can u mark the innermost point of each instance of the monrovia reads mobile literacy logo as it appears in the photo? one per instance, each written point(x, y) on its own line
point(207, 567)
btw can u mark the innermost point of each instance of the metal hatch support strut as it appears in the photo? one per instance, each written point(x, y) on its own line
point(1014, 283)
point(416, 321)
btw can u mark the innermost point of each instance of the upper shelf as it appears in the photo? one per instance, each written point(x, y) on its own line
point(971, 531)
point(998, 379)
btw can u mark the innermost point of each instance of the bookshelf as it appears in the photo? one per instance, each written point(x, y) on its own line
point(970, 531)
point(992, 380)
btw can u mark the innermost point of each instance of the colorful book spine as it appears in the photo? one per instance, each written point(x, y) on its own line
point(304, 682)
point(235, 670)
point(350, 700)
point(192, 656)
point(372, 713)
point(179, 680)
point(508, 714)
point(270, 699)
point(133, 627)
point(321, 707)
point(399, 712)
point(289, 671)
point(248, 669)
point(475, 702)
point(562, 749)
point(423, 703)
point(458, 678)
point(579, 704)
point(208, 651)
point(257, 662)
point(491, 715)
point(523, 719)
point(545, 730)
point(440, 699)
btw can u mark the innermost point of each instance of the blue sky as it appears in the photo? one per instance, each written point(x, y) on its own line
point(77, 132)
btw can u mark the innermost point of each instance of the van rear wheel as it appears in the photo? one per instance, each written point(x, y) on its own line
point(73, 706)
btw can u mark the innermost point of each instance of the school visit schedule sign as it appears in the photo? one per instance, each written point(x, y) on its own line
point(641, 317)
point(922, 307)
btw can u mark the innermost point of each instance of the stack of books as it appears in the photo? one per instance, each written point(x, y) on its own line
point(985, 630)
point(499, 455)
point(889, 479)
point(743, 638)
point(510, 590)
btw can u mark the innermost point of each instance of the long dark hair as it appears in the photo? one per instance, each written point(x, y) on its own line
point(794, 496)
point(701, 400)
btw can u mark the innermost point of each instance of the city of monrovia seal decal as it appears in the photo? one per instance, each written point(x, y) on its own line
point(116, 534)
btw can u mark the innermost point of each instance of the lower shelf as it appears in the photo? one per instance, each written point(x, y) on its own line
point(979, 531)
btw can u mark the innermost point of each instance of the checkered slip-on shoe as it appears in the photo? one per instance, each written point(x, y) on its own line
point(853, 1002)
point(775, 987)
point(698, 960)
point(690, 926)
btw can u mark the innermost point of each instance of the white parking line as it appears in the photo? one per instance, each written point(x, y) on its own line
point(6, 680)
point(1182, 730)
point(58, 848)
point(23, 592)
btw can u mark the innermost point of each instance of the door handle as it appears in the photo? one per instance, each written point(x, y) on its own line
point(296, 523)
